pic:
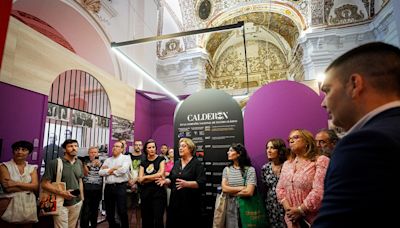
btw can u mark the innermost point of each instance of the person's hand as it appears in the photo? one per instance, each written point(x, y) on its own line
point(67, 194)
point(104, 167)
point(161, 181)
point(132, 182)
point(7, 183)
point(180, 183)
point(293, 214)
point(96, 162)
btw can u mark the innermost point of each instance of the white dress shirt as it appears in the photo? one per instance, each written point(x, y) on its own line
point(121, 174)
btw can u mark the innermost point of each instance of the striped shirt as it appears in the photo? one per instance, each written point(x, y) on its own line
point(235, 176)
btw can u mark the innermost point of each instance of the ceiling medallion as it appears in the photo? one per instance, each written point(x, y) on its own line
point(204, 9)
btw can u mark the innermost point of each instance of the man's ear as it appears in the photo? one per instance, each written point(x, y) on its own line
point(356, 84)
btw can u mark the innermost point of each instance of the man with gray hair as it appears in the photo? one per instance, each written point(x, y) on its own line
point(326, 140)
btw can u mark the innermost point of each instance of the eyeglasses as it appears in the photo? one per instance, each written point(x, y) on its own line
point(293, 138)
point(117, 146)
point(318, 142)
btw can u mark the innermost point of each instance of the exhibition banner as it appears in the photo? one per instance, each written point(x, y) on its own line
point(213, 120)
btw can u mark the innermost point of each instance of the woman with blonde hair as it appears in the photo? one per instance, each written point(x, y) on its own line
point(186, 180)
point(301, 184)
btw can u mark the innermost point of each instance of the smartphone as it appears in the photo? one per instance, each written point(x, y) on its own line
point(76, 192)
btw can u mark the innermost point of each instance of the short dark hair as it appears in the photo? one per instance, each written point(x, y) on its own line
point(22, 144)
point(379, 62)
point(68, 141)
point(148, 142)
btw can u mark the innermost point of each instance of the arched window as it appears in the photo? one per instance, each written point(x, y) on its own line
point(78, 108)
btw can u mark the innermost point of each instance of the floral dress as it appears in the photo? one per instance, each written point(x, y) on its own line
point(275, 211)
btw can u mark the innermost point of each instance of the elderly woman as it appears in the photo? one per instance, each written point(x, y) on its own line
point(238, 180)
point(277, 154)
point(301, 184)
point(20, 181)
point(186, 180)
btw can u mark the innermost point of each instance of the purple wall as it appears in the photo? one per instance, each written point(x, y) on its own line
point(163, 128)
point(22, 118)
point(143, 118)
point(277, 108)
point(155, 119)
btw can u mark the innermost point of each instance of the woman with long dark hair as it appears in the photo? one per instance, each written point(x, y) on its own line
point(238, 180)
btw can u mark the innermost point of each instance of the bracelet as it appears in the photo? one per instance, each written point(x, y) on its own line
point(301, 210)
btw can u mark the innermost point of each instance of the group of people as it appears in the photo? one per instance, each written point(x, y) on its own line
point(312, 183)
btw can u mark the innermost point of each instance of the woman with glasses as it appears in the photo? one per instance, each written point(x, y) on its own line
point(277, 153)
point(301, 184)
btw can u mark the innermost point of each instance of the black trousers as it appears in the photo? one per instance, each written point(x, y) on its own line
point(90, 208)
point(153, 204)
point(115, 194)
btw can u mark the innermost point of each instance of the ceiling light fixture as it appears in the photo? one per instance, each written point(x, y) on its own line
point(115, 47)
point(141, 70)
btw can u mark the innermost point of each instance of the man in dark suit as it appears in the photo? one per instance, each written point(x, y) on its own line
point(362, 90)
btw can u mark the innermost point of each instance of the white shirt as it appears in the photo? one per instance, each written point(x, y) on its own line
point(120, 175)
point(373, 113)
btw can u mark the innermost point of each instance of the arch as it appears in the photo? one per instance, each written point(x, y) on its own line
point(283, 9)
point(78, 27)
point(78, 108)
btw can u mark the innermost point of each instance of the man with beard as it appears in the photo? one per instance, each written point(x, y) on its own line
point(326, 140)
point(71, 175)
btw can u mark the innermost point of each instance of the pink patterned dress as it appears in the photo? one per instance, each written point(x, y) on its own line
point(303, 186)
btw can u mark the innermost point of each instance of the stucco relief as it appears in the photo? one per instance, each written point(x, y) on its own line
point(171, 47)
point(296, 68)
point(275, 22)
point(346, 11)
point(266, 63)
point(91, 5)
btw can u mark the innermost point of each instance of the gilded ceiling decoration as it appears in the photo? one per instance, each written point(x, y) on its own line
point(91, 5)
point(265, 62)
point(275, 22)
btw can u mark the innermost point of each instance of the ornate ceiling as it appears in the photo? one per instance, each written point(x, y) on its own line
point(272, 30)
point(274, 22)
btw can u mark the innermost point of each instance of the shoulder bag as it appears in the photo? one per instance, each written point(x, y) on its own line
point(252, 210)
point(50, 203)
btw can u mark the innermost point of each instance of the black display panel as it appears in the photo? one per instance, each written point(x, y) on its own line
point(213, 120)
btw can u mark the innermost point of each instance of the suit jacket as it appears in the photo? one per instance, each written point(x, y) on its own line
point(360, 184)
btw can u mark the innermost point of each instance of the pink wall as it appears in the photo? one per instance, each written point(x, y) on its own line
point(22, 118)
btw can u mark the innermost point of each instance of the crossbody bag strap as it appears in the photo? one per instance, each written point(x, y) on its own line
point(59, 170)
point(245, 175)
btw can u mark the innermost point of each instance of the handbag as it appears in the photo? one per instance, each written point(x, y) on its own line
point(252, 210)
point(220, 210)
point(50, 203)
point(21, 208)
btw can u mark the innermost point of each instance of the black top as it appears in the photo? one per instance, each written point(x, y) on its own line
point(150, 168)
point(185, 204)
